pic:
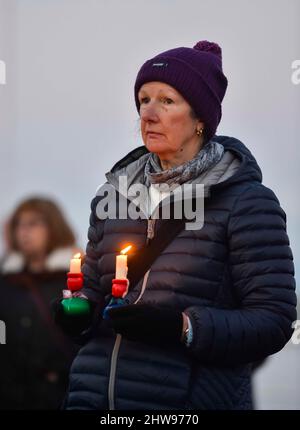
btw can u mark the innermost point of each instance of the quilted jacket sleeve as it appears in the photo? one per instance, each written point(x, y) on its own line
point(262, 277)
point(91, 287)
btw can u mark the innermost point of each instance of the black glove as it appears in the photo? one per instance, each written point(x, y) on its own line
point(74, 325)
point(148, 323)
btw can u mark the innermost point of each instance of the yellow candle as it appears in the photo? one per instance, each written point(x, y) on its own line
point(75, 264)
point(121, 264)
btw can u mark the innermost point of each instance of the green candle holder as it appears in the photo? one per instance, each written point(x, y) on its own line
point(76, 306)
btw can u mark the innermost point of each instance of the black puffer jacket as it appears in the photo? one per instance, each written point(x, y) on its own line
point(234, 278)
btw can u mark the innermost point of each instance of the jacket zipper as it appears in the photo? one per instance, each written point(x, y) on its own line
point(116, 348)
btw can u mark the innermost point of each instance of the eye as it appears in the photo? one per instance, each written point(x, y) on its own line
point(168, 100)
point(144, 100)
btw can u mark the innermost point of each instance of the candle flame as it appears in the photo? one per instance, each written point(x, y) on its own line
point(78, 255)
point(125, 250)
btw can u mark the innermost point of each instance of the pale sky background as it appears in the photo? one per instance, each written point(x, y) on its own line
point(67, 112)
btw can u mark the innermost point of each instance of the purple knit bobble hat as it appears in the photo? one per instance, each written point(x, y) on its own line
point(196, 73)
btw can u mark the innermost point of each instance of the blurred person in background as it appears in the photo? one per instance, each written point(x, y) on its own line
point(35, 361)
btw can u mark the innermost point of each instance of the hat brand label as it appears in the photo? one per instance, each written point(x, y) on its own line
point(159, 64)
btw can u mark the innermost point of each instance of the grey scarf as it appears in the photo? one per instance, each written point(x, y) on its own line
point(207, 157)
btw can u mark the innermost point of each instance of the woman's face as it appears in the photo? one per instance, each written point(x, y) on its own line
point(164, 111)
point(31, 234)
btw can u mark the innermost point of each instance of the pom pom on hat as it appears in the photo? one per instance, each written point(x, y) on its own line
point(211, 47)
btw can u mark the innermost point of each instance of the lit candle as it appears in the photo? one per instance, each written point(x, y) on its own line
point(75, 265)
point(121, 264)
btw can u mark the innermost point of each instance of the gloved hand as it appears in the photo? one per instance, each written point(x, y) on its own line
point(74, 324)
point(148, 323)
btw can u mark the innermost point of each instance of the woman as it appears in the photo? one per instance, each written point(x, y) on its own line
point(36, 358)
point(217, 298)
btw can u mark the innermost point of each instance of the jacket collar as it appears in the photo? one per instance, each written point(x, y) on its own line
point(237, 165)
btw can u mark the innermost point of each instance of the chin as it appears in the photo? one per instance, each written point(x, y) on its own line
point(156, 147)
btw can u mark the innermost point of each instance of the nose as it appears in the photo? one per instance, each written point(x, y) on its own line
point(148, 112)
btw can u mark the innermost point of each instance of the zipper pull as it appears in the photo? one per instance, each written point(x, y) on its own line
point(150, 229)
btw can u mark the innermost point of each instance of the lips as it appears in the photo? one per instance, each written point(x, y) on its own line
point(153, 133)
